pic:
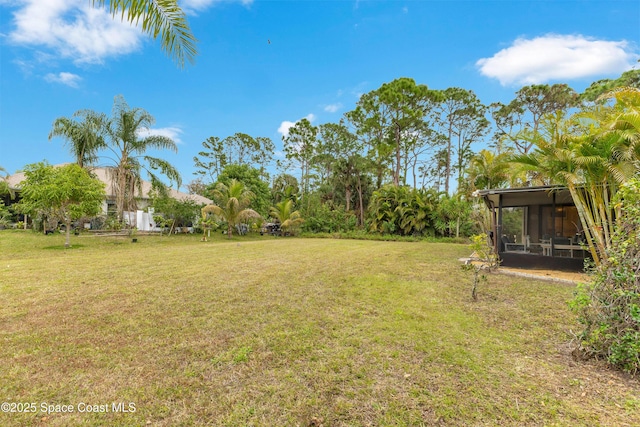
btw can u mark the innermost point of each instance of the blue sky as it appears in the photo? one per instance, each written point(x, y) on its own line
point(59, 56)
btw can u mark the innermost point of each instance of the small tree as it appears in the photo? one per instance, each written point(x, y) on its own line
point(483, 259)
point(232, 204)
point(252, 179)
point(65, 193)
point(180, 213)
point(289, 218)
point(452, 215)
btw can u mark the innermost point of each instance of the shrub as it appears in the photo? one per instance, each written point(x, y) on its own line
point(402, 210)
point(452, 216)
point(323, 218)
point(608, 306)
point(5, 215)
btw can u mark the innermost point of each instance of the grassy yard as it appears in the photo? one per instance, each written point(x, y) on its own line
point(284, 332)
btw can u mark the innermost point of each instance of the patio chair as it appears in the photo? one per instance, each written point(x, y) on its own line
point(510, 246)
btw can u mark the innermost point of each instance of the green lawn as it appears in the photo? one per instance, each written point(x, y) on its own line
point(284, 332)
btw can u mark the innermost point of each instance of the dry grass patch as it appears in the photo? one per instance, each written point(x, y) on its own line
point(289, 332)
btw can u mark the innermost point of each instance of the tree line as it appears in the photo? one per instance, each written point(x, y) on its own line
point(401, 162)
point(347, 174)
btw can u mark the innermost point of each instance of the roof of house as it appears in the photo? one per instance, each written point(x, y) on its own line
point(525, 196)
point(103, 175)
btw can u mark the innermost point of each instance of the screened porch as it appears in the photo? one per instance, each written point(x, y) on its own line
point(536, 227)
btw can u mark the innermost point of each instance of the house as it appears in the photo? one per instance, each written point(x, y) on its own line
point(142, 219)
point(536, 227)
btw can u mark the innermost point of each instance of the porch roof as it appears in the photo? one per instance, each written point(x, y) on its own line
point(525, 196)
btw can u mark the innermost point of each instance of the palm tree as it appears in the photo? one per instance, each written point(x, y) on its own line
point(232, 204)
point(489, 170)
point(128, 154)
point(288, 218)
point(160, 18)
point(84, 136)
point(624, 123)
point(591, 153)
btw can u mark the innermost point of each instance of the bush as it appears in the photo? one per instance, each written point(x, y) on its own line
point(180, 213)
point(323, 218)
point(608, 306)
point(5, 215)
point(402, 210)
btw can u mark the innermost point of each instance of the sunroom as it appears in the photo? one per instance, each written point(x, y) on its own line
point(536, 227)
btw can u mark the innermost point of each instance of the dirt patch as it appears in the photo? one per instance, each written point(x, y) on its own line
point(568, 277)
point(552, 275)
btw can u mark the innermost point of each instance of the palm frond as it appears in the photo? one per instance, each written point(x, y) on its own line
point(162, 19)
point(211, 209)
point(165, 167)
point(159, 142)
point(246, 214)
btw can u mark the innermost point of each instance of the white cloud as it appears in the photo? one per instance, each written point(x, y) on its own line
point(284, 127)
point(73, 29)
point(64, 78)
point(557, 57)
point(332, 108)
point(171, 132)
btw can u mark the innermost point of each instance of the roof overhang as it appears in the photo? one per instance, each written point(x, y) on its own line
point(525, 196)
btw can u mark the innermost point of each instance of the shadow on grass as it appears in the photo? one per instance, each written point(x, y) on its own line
point(59, 247)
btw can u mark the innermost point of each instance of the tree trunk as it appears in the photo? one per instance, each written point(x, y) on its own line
point(460, 160)
point(396, 172)
point(67, 241)
point(120, 194)
point(360, 202)
point(413, 171)
point(447, 169)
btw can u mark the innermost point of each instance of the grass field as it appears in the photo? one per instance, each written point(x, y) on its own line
point(284, 332)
